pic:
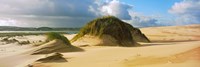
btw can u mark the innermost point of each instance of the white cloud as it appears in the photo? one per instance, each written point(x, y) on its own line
point(116, 8)
point(187, 12)
point(124, 12)
point(7, 22)
point(72, 8)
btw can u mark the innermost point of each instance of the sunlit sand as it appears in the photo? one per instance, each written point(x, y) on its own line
point(169, 48)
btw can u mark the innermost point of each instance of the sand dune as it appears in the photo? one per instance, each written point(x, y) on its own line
point(174, 41)
point(54, 46)
point(175, 46)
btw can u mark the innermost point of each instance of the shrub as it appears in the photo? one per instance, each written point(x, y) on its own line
point(24, 42)
point(5, 39)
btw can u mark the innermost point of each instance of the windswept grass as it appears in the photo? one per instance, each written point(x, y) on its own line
point(59, 44)
point(53, 35)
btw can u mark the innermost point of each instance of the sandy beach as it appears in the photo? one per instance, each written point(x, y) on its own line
point(99, 33)
point(176, 46)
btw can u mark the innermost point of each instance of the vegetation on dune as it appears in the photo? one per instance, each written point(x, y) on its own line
point(108, 25)
point(53, 35)
point(24, 42)
point(140, 37)
point(61, 44)
point(137, 34)
point(7, 40)
point(56, 46)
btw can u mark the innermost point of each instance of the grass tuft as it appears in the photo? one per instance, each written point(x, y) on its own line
point(53, 35)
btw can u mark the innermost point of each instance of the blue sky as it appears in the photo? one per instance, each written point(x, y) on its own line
point(151, 7)
point(73, 13)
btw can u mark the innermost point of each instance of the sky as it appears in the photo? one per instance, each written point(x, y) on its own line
point(76, 13)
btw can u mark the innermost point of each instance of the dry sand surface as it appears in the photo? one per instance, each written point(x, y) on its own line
point(129, 57)
point(173, 33)
point(16, 55)
point(176, 46)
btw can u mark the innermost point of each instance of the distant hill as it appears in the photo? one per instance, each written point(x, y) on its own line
point(13, 28)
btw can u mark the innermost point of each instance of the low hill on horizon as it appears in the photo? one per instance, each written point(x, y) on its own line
point(14, 28)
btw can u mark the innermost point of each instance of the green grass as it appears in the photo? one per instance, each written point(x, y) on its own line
point(53, 35)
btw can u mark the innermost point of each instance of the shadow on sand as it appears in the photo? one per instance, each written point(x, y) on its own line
point(61, 60)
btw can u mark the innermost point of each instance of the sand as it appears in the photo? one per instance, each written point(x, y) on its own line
point(13, 48)
point(122, 57)
point(175, 46)
point(173, 33)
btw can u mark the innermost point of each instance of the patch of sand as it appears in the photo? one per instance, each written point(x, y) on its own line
point(119, 56)
point(189, 58)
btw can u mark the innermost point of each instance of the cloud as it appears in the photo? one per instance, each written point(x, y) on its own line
point(56, 13)
point(124, 12)
point(47, 21)
point(67, 13)
point(72, 8)
point(7, 21)
point(186, 11)
point(63, 12)
point(139, 20)
point(116, 8)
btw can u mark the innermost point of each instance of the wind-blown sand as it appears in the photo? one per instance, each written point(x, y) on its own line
point(171, 47)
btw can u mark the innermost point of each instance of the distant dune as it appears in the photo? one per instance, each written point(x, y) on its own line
point(173, 33)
